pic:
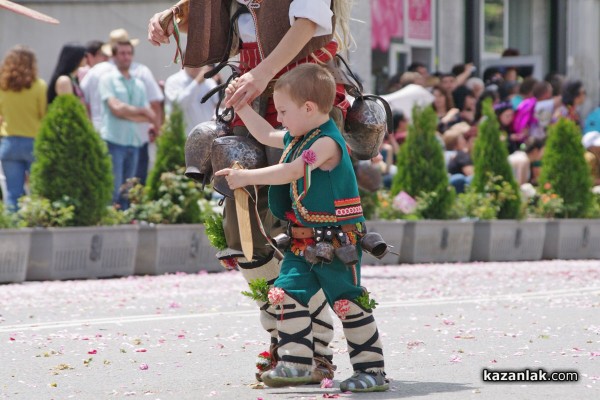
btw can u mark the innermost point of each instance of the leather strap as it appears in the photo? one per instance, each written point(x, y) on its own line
point(302, 232)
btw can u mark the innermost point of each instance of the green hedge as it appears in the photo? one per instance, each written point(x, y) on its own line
point(72, 160)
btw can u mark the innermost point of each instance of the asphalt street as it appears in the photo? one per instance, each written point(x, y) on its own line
point(196, 337)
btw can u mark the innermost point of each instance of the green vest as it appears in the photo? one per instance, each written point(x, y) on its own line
point(332, 198)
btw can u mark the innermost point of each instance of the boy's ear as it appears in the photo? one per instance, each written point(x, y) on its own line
point(310, 106)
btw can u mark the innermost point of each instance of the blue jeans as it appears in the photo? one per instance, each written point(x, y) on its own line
point(460, 182)
point(124, 166)
point(16, 154)
point(142, 167)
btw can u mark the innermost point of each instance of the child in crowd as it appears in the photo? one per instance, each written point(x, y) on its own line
point(315, 189)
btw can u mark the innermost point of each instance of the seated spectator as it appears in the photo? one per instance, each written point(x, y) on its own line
point(444, 108)
point(476, 86)
point(534, 114)
point(525, 91)
point(573, 96)
point(419, 67)
point(465, 101)
point(398, 136)
point(526, 163)
point(459, 162)
point(490, 92)
point(507, 90)
point(592, 122)
point(505, 115)
point(555, 80)
point(591, 142)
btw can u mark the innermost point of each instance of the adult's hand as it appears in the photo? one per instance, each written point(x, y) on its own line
point(156, 34)
point(248, 87)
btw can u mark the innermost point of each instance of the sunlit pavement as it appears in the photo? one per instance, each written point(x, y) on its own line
point(196, 337)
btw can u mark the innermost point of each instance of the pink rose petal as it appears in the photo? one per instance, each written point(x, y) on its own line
point(326, 383)
point(144, 367)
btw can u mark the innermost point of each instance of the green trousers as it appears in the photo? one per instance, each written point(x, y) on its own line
point(302, 280)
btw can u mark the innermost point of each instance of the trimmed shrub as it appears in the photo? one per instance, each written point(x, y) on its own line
point(564, 170)
point(421, 167)
point(490, 158)
point(72, 160)
point(170, 154)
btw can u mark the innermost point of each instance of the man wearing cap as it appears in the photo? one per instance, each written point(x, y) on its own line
point(124, 106)
point(89, 85)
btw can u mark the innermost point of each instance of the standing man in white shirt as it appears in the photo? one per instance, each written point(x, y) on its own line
point(186, 88)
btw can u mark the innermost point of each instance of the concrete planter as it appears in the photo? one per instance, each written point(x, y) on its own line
point(569, 239)
point(392, 232)
point(82, 252)
point(174, 248)
point(436, 241)
point(14, 254)
point(508, 240)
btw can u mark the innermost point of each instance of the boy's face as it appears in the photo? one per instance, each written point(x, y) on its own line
point(292, 116)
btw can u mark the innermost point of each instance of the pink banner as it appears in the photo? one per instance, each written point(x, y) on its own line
point(419, 19)
point(387, 22)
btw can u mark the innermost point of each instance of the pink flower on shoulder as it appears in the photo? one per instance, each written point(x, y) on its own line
point(341, 308)
point(309, 157)
point(276, 296)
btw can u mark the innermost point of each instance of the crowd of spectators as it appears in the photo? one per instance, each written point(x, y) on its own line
point(525, 108)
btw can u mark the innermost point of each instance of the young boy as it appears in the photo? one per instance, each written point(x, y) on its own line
point(315, 189)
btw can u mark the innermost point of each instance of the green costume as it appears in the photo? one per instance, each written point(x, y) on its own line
point(327, 200)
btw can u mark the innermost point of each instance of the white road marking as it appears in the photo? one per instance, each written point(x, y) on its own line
point(550, 294)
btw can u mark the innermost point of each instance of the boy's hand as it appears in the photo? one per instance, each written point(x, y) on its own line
point(234, 177)
point(248, 87)
point(230, 91)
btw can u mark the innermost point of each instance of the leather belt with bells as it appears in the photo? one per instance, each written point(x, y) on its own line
point(302, 232)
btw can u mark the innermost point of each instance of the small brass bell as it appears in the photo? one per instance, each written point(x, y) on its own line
point(310, 254)
point(325, 252)
point(347, 254)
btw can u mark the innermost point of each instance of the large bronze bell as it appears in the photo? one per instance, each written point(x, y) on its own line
point(228, 149)
point(365, 127)
point(198, 148)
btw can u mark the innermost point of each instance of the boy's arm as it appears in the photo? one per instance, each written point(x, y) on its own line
point(260, 128)
point(324, 151)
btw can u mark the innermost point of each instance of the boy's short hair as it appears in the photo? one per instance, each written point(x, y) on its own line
point(309, 82)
